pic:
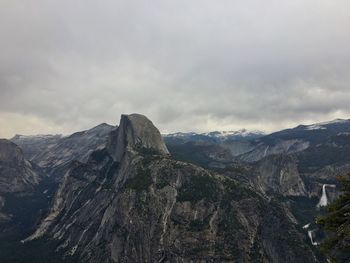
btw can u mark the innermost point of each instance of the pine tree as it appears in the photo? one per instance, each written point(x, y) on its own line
point(336, 223)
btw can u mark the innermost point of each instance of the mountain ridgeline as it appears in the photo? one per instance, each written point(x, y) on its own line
point(128, 194)
point(54, 152)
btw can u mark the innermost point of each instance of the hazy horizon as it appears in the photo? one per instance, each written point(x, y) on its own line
point(165, 133)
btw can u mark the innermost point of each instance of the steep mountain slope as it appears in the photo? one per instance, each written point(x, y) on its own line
point(275, 175)
point(296, 139)
point(17, 177)
point(16, 172)
point(33, 145)
point(54, 153)
point(132, 203)
point(279, 174)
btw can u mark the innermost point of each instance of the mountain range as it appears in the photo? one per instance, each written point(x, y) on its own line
point(126, 193)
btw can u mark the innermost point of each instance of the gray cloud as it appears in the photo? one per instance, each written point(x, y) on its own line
point(188, 65)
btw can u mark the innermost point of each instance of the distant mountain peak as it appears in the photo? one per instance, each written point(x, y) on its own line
point(241, 132)
point(102, 125)
point(135, 132)
point(219, 135)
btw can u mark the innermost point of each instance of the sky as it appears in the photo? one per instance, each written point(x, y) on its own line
point(187, 65)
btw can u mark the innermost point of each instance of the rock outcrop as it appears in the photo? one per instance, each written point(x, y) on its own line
point(135, 132)
point(278, 174)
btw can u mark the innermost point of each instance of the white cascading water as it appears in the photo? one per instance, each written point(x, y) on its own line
point(324, 200)
point(311, 238)
point(310, 234)
point(306, 226)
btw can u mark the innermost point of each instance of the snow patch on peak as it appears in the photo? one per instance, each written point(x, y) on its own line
point(222, 135)
point(315, 127)
point(242, 132)
point(180, 134)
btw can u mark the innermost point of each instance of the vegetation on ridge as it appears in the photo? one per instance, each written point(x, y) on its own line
point(337, 225)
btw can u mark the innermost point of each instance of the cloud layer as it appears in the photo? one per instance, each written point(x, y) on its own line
point(187, 65)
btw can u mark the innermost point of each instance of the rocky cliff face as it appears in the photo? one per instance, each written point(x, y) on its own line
point(132, 203)
point(135, 132)
point(17, 176)
point(280, 147)
point(53, 153)
point(278, 174)
point(298, 139)
point(33, 145)
point(16, 173)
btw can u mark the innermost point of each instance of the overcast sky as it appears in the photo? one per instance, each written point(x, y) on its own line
point(189, 65)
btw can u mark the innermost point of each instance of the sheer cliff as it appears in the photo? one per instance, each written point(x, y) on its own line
point(17, 176)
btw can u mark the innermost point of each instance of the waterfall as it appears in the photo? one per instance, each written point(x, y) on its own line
point(311, 238)
point(324, 200)
point(306, 226)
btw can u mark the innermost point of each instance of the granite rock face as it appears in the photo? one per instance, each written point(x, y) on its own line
point(278, 174)
point(130, 202)
point(54, 153)
point(280, 147)
point(17, 176)
point(16, 173)
point(34, 145)
point(135, 132)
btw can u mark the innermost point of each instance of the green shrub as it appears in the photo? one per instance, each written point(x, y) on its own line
point(198, 187)
point(141, 181)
